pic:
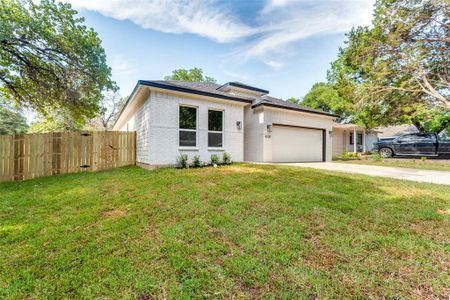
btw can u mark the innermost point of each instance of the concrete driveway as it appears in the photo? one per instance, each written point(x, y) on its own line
point(439, 177)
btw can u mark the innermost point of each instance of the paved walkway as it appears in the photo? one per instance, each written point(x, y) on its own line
point(419, 175)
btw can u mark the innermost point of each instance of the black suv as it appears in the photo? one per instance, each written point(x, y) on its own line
point(417, 144)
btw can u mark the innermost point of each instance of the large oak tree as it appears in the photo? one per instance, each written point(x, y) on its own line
point(50, 61)
point(397, 70)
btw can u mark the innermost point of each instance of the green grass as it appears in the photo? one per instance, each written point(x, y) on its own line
point(241, 231)
point(429, 164)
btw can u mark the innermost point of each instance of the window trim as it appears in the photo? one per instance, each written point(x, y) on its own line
point(213, 131)
point(190, 130)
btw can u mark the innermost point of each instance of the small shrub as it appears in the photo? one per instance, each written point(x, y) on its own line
point(182, 161)
point(214, 160)
point(377, 157)
point(226, 159)
point(423, 158)
point(353, 155)
point(196, 162)
point(344, 154)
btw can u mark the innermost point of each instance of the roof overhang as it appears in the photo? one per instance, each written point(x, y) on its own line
point(175, 89)
point(191, 91)
point(242, 86)
point(323, 113)
point(353, 127)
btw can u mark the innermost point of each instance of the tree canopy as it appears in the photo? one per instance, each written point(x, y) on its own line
point(293, 100)
point(325, 97)
point(12, 121)
point(397, 70)
point(111, 107)
point(61, 121)
point(194, 74)
point(50, 61)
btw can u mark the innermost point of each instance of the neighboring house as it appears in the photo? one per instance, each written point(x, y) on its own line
point(344, 136)
point(397, 130)
point(199, 118)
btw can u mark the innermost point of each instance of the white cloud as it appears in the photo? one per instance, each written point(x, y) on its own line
point(290, 21)
point(281, 23)
point(121, 66)
point(273, 4)
point(274, 64)
point(202, 17)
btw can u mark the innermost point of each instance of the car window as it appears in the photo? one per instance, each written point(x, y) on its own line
point(415, 137)
point(407, 138)
point(444, 136)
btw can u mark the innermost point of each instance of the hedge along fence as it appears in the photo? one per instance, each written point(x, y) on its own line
point(35, 155)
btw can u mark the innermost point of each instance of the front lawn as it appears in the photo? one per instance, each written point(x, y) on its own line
point(428, 164)
point(241, 231)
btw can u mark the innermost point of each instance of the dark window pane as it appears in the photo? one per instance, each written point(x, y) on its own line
point(188, 117)
point(359, 139)
point(410, 137)
point(188, 138)
point(214, 139)
point(351, 138)
point(215, 120)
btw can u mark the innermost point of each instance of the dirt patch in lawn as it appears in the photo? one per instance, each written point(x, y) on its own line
point(245, 170)
point(444, 212)
point(409, 192)
point(114, 213)
point(323, 257)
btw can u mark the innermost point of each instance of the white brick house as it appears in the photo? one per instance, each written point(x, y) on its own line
point(174, 117)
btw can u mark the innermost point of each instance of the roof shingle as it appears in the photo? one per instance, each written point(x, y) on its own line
point(271, 101)
point(213, 89)
point(207, 87)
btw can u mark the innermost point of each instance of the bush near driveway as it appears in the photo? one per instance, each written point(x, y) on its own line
point(248, 231)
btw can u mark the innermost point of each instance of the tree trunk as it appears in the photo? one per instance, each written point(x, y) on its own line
point(419, 126)
point(443, 126)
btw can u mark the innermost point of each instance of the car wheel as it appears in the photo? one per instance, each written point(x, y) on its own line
point(386, 152)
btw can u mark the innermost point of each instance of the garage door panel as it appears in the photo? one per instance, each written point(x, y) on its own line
point(295, 144)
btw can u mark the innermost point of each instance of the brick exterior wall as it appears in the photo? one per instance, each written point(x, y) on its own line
point(156, 124)
point(258, 142)
point(157, 133)
point(254, 134)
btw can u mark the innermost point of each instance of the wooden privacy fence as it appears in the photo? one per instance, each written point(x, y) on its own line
point(28, 156)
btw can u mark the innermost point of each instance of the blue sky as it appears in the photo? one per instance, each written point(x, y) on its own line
point(280, 45)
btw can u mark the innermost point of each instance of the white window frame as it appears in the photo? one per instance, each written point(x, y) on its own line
point(211, 131)
point(191, 130)
point(354, 139)
point(359, 134)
